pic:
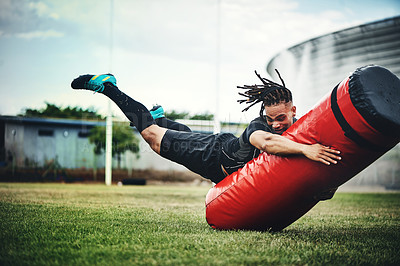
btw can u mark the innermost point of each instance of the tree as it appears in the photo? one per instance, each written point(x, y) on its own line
point(174, 115)
point(54, 111)
point(123, 139)
point(204, 116)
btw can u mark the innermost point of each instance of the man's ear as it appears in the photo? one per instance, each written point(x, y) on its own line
point(294, 110)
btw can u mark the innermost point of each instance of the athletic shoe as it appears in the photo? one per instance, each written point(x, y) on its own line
point(157, 112)
point(93, 82)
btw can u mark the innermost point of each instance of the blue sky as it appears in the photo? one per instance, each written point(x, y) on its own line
point(162, 52)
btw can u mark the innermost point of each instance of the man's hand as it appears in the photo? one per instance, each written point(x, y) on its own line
point(278, 145)
point(320, 153)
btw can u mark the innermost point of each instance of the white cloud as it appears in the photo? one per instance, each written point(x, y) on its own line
point(43, 10)
point(40, 34)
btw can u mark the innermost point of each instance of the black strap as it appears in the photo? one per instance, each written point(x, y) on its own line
point(347, 129)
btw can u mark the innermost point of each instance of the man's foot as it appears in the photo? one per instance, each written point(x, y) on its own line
point(157, 112)
point(93, 82)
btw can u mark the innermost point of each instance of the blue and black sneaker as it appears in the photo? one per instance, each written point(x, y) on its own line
point(93, 82)
point(157, 112)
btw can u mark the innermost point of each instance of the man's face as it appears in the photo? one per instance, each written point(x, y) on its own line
point(280, 116)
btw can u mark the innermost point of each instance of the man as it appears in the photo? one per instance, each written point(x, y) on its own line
point(218, 155)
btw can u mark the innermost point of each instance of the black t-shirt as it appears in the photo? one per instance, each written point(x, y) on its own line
point(238, 151)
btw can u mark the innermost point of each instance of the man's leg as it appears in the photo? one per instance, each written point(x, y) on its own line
point(197, 152)
point(153, 135)
point(158, 114)
point(136, 112)
point(170, 124)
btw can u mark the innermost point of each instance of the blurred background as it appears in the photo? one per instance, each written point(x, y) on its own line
point(188, 56)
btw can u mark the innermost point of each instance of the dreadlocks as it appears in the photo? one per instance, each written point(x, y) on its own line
point(269, 93)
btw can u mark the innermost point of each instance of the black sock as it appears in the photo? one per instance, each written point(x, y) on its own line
point(136, 112)
point(166, 123)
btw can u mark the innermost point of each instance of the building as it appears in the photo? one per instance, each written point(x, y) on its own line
point(314, 67)
point(34, 142)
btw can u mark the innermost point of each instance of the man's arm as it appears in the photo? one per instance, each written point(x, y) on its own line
point(278, 145)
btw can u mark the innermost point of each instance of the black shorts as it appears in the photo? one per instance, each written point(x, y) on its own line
point(200, 153)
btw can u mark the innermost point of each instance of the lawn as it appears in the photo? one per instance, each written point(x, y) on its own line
point(72, 224)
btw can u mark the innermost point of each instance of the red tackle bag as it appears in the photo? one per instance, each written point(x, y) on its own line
point(360, 118)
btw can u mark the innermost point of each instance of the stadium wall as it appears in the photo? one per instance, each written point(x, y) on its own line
point(312, 69)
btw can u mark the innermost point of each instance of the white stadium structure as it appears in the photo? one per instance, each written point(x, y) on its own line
point(312, 69)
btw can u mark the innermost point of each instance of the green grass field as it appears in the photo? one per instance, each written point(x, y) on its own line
point(54, 224)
